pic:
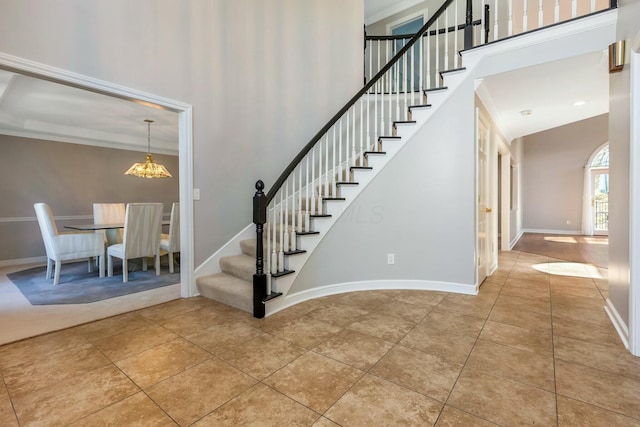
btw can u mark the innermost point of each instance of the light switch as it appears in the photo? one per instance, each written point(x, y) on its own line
point(196, 194)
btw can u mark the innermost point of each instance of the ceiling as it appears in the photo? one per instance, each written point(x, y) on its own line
point(36, 108)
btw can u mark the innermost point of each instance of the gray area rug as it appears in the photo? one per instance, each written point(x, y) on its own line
point(78, 286)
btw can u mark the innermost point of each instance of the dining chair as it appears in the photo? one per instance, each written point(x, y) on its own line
point(170, 243)
point(109, 213)
point(141, 237)
point(65, 246)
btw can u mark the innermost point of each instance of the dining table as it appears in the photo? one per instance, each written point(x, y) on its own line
point(93, 227)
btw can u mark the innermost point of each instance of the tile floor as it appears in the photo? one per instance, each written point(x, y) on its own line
point(534, 347)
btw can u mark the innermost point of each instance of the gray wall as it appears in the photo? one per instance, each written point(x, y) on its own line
point(553, 173)
point(406, 210)
point(70, 178)
point(263, 77)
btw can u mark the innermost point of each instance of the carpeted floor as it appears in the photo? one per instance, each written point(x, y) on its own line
point(77, 286)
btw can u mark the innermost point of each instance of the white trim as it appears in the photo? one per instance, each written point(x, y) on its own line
point(398, 6)
point(185, 141)
point(406, 19)
point(279, 304)
point(634, 203)
point(549, 231)
point(23, 261)
point(618, 323)
point(516, 239)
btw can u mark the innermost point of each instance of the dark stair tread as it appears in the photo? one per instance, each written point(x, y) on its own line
point(453, 70)
point(271, 296)
point(296, 252)
point(435, 89)
point(404, 122)
point(367, 168)
point(331, 199)
point(347, 182)
point(282, 273)
point(389, 137)
point(320, 216)
point(306, 233)
point(366, 153)
point(420, 106)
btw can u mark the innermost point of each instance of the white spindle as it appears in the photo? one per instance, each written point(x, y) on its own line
point(405, 80)
point(455, 35)
point(300, 200)
point(428, 74)
point(397, 65)
point(593, 6)
point(340, 175)
point(323, 188)
point(308, 203)
point(510, 26)
point(268, 231)
point(361, 124)
point(371, 73)
point(421, 68)
point(326, 165)
point(285, 234)
point(524, 17)
point(413, 72)
point(574, 8)
point(353, 133)
point(495, 20)
point(368, 141)
point(294, 217)
point(314, 198)
point(274, 255)
point(437, 70)
point(540, 14)
point(446, 39)
point(333, 174)
point(280, 252)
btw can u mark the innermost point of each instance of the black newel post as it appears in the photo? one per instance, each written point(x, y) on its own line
point(487, 25)
point(259, 279)
point(468, 26)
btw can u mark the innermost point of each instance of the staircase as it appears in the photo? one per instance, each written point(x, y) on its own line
point(337, 165)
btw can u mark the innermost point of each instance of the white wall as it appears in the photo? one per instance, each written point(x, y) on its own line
point(419, 207)
point(262, 77)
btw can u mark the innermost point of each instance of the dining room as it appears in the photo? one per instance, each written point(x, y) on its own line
point(70, 167)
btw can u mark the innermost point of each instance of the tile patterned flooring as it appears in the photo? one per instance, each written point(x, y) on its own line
point(533, 347)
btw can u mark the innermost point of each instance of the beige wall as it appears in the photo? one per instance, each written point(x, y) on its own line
point(553, 174)
point(70, 178)
point(262, 76)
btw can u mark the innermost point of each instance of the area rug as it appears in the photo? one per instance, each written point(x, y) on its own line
point(77, 286)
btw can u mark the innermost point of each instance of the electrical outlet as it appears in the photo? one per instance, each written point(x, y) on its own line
point(568, 222)
point(196, 194)
point(391, 258)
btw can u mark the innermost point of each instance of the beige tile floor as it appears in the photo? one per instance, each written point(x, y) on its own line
point(534, 347)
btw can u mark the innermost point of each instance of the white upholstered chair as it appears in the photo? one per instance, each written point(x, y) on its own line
point(109, 213)
point(64, 246)
point(141, 237)
point(170, 243)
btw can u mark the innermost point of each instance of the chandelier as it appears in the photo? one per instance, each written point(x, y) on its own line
point(148, 169)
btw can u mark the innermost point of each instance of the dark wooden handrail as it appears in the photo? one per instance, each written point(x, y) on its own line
point(431, 33)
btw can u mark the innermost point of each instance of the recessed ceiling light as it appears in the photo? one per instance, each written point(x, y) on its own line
point(579, 103)
point(526, 112)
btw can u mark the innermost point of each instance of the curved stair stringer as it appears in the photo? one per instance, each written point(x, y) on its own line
point(335, 208)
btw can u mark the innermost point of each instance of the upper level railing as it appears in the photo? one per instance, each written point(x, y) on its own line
point(496, 20)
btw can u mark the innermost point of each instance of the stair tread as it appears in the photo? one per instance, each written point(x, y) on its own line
point(453, 70)
point(366, 153)
point(435, 89)
point(404, 122)
point(420, 106)
point(242, 266)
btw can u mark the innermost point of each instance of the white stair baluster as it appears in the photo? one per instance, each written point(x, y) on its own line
point(455, 36)
point(510, 24)
point(294, 242)
point(525, 17)
point(366, 145)
point(412, 86)
point(267, 265)
point(280, 252)
point(437, 42)
point(353, 135)
point(421, 68)
point(340, 175)
point(446, 38)
point(540, 14)
point(556, 12)
point(405, 80)
point(300, 199)
point(593, 6)
point(428, 74)
point(308, 207)
point(495, 20)
point(574, 8)
point(274, 255)
point(334, 164)
point(285, 241)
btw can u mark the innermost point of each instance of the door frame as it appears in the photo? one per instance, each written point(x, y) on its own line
point(185, 142)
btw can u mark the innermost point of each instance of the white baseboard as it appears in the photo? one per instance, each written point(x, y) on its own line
point(545, 231)
point(23, 261)
point(515, 241)
point(618, 323)
point(281, 303)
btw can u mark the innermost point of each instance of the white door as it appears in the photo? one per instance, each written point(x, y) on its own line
point(484, 209)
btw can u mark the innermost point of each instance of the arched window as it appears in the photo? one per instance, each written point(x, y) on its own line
point(601, 159)
point(595, 210)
